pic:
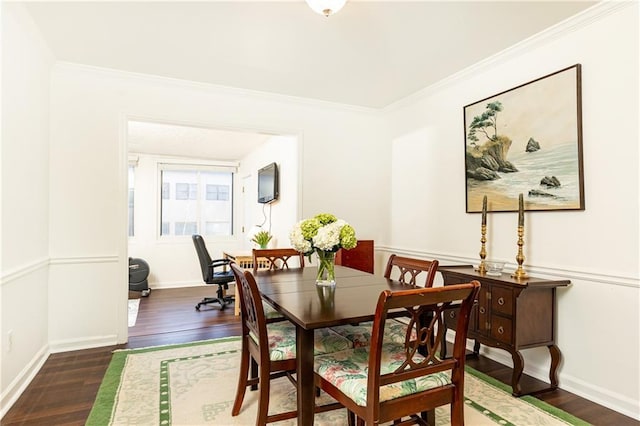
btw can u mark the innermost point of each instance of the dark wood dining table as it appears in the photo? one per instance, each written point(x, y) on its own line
point(295, 295)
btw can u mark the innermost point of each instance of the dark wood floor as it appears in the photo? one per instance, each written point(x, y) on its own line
point(63, 392)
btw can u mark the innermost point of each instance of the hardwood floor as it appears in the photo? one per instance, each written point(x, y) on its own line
point(62, 393)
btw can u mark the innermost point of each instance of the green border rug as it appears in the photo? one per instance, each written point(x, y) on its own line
point(195, 383)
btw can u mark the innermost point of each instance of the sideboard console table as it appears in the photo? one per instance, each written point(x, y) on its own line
point(511, 315)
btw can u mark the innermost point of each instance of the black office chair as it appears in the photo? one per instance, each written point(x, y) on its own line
point(222, 277)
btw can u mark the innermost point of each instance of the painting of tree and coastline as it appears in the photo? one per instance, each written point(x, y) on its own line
point(527, 140)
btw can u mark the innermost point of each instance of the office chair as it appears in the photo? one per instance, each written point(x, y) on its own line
point(222, 277)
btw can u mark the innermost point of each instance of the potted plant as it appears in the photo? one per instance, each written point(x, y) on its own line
point(262, 238)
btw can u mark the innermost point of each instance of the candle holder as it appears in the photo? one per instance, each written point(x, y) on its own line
point(520, 273)
point(483, 252)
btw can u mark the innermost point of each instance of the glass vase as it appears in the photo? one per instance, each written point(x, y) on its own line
point(326, 268)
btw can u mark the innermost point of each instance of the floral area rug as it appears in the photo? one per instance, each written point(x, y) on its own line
point(195, 384)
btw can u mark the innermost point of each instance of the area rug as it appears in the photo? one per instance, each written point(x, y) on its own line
point(134, 304)
point(194, 384)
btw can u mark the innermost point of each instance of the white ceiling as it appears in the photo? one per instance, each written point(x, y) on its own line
point(370, 54)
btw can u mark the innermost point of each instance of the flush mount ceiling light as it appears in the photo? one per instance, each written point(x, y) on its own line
point(326, 7)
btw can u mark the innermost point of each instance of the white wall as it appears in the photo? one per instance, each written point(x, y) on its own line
point(90, 108)
point(598, 249)
point(278, 216)
point(26, 64)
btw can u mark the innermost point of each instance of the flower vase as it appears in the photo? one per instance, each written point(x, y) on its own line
point(326, 268)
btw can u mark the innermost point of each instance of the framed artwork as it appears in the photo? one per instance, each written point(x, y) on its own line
point(527, 140)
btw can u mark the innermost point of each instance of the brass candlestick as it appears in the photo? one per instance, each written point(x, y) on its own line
point(519, 273)
point(483, 252)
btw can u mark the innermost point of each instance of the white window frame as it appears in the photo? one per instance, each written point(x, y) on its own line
point(194, 165)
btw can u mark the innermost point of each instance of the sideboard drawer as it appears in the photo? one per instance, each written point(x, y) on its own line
point(501, 328)
point(501, 300)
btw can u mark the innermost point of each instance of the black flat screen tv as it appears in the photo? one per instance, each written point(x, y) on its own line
point(268, 183)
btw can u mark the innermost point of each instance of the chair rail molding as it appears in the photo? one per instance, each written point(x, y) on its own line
point(84, 259)
point(23, 270)
point(538, 271)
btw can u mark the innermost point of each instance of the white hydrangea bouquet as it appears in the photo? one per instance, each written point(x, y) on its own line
point(323, 234)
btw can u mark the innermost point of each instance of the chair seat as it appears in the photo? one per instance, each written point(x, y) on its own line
point(360, 335)
point(348, 370)
point(282, 341)
point(270, 312)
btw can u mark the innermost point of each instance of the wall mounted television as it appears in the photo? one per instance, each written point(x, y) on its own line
point(268, 183)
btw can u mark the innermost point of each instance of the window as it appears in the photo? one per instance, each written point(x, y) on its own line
point(186, 228)
point(186, 191)
point(218, 192)
point(131, 198)
point(166, 194)
point(203, 202)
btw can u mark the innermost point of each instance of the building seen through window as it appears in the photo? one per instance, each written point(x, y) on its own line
point(196, 201)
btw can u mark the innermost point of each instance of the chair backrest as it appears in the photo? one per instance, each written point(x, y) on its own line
point(251, 310)
point(409, 269)
point(418, 303)
point(274, 259)
point(203, 257)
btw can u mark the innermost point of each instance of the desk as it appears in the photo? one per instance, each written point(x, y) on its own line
point(244, 259)
point(511, 315)
point(294, 293)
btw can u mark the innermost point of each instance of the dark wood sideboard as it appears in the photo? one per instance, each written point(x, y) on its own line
point(510, 315)
point(360, 257)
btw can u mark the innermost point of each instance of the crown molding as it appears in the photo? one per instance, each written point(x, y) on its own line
point(212, 88)
point(572, 24)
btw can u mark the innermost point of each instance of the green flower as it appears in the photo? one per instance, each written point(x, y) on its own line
point(310, 228)
point(326, 218)
point(348, 237)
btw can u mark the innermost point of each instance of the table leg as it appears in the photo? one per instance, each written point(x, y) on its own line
point(554, 351)
point(304, 376)
point(518, 366)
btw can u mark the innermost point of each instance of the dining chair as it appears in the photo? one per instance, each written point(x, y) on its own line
point(272, 346)
point(404, 270)
point(408, 269)
point(390, 380)
point(274, 259)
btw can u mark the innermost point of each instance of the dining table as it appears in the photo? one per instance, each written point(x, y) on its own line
point(295, 294)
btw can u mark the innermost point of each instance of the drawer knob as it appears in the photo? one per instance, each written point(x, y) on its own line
point(501, 301)
point(500, 330)
point(452, 314)
point(482, 310)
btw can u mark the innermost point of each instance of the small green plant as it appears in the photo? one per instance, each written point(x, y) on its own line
point(262, 238)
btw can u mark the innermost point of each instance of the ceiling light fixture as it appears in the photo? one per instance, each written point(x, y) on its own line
point(326, 7)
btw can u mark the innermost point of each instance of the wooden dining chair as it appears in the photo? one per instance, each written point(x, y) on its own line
point(407, 270)
point(275, 259)
point(272, 348)
point(404, 270)
point(392, 381)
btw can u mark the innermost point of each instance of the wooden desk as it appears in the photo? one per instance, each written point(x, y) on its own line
point(294, 293)
point(244, 259)
point(510, 315)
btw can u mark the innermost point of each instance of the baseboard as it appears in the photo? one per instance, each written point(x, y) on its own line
point(79, 344)
point(175, 284)
point(20, 383)
point(615, 401)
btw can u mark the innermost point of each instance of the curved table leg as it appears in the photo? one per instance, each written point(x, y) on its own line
point(518, 366)
point(554, 351)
